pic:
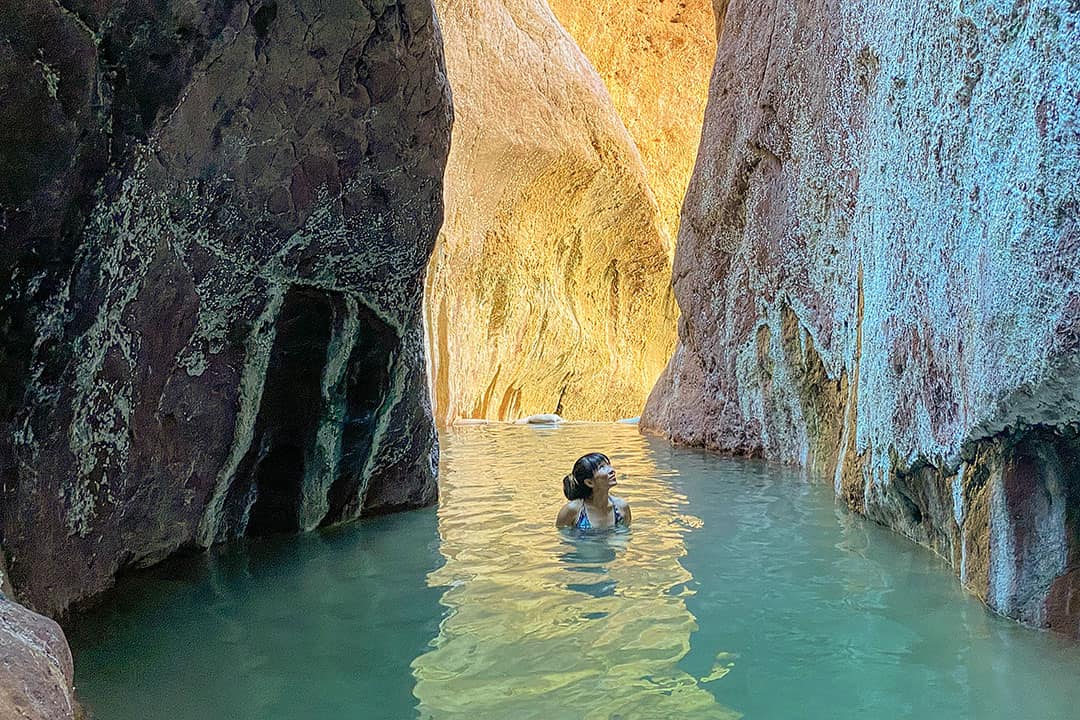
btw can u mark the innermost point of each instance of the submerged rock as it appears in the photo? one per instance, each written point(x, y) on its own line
point(549, 290)
point(216, 217)
point(879, 273)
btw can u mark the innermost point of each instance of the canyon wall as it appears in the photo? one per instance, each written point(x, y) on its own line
point(878, 269)
point(655, 58)
point(549, 289)
point(216, 218)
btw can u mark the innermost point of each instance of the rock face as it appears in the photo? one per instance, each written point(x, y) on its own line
point(35, 667)
point(216, 217)
point(879, 273)
point(549, 289)
point(654, 57)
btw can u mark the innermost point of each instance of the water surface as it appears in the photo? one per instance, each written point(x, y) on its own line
point(741, 591)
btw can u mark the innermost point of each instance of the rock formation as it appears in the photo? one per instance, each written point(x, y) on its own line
point(654, 57)
point(216, 217)
point(879, 274)
point(35, 667)
point(549, 289)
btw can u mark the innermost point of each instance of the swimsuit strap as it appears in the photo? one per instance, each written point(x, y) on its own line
point(583, 517)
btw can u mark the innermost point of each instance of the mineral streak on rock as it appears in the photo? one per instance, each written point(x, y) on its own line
point(878, 269)
point(654, 57)
point(35, 667)
point(549, 290)
point(216, 217)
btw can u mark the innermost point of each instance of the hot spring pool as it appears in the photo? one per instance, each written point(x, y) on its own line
point(742, 590)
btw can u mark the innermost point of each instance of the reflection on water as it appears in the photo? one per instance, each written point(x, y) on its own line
point(557, 624)
point(740, 589)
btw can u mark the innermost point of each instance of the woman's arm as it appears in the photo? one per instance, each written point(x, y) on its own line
point(625, 510)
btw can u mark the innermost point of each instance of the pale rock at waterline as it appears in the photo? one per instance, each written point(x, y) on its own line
point(541, 419)
point(878, 269)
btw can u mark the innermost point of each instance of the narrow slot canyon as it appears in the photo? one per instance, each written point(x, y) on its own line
point(549, 286)
point(272, 267)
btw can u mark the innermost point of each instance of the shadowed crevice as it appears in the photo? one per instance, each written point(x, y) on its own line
point(367, 385)
point(272, 473)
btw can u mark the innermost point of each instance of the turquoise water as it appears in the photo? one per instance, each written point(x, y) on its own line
point(741, 590)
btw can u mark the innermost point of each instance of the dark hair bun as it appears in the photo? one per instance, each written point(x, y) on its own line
point(568, 487)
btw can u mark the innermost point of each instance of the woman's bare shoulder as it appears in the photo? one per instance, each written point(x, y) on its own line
point(569, 512)
point(619, 502)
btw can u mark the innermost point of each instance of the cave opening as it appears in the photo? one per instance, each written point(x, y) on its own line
point(366, 386)
point(290, 411)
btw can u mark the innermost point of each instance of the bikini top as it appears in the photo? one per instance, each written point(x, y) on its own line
point(583, 517)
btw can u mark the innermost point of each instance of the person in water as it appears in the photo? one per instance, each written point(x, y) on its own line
point(588, 489)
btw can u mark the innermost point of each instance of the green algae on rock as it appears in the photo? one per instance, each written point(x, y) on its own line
point(213, 322)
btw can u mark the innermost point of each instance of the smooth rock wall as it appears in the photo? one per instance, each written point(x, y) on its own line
point(879, 273)
point(655, 58)
point(216, 218)
point(549, 290)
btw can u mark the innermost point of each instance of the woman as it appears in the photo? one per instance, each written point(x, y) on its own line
point(588, 490)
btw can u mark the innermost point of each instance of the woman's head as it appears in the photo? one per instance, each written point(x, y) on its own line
point(588, 470)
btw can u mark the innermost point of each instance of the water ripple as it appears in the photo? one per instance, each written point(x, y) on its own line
point(558, 624)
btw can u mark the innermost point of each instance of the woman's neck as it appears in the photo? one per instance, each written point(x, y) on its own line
point(599, 499)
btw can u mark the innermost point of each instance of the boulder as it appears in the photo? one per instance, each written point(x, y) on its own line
point(35, 667)
point(541, 419)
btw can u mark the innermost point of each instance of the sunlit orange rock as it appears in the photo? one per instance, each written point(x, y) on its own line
point(549, 289)
point(655, 57)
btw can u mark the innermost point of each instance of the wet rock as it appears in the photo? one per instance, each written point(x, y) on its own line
point(213, 275)
point(541, 419)
point(879, 275)
point(549, 288)
point(35, 667)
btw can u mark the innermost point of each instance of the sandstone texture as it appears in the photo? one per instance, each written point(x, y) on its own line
point(549, 289)
point(215, 219)
point(655, 58)
point(879, 273)
point(35, 667)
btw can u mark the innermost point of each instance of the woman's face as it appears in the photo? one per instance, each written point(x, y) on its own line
point(603, 478)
